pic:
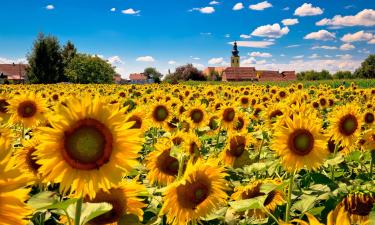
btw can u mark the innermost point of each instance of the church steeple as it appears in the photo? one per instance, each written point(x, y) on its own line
point(235, 59)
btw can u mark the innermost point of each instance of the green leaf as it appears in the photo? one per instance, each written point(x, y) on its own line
point(335, 161)
point(246, 204)
point(89, 211)
point(42, 200)
point(306, 203)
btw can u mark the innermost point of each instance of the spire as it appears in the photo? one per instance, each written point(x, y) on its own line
point(235, 50)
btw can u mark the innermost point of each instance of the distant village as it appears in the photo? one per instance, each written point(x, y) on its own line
point(16, 73)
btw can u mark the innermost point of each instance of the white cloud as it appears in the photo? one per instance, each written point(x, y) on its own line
point(307, 9)
point(324, 47)
point(115, 60)
point(206, 33)
point(364, 18)
point(286, 8)
point(238, 6)
point(50, 7)
point(372, 41)
point(358, 36)
point(130, 11)
point(261, 62)
point(289, 22)
point(204, 10)
point(260, 54)
point(10, 61)
point(245, 36)
point(292, 46)
point(145, 59)
point(253, 44)
point(346, 56)
point(227, 35)
point(216, 61)
point(321, 35)
point(248, 62)
point(347, 46)
point(195, 58)
point(314, 56)
point(261, 6)
point(113, 9)
point(198, 65)
point(214, 3)
point(282, 55)
point(272, 31)
point(364, 51)
point(298, 57)
point(171, 62)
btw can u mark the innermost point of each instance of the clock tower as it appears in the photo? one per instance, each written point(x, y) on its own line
point(235, 59)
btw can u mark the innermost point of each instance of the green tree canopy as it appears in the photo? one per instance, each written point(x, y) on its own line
point(87, 69)
point(45, 61)
point(68, 53)
point(367, 69)
point(185, 72)
point(152, 73)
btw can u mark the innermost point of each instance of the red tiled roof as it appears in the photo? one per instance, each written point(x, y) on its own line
point(137, 76)
point(117, 78)
point(13, 71)
point(239, 73)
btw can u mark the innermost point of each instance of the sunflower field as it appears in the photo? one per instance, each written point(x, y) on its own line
point(187, 154)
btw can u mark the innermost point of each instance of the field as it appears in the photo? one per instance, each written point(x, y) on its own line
point(190, 153)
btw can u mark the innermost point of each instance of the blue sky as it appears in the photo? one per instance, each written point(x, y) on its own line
point(134, 34)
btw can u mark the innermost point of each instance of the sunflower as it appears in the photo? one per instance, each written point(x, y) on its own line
point(200, 192)
point(139, 118)
point(240, 122)
point(355, 208)
point(369, 118)
point(160, 113)
point(92, 146)
point(235, 152)
point(4, 103)
point(227, 116)
point(345, 124)
point(26, 160)
point(27, 109)
point(367, 141)
point(124, 201)
point(300, 143)
point(193, 145)
point(274, 198)
point(197, 115)
point(163, 167)
point(6, 138)
point(13, 194)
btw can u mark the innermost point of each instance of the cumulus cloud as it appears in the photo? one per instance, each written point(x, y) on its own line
point(347, 46)
point(324, 47)
point(289, 22)
point(214, 3)
point(372, 41)
point(245, 36)
point(254, 44)
point(238, 6)
point(261, 6)
point(260, 54)
point(248, 61)
point(198, 65)
point(292, 46)
point(217, 61)
point(314, 56)
point(286, 8)
point(358, 36)
point(346, 56)
point(272, 31)
point(204, 10)
point(172, 62)
point(115, 60)
point(321, 35)
point(364, 18)
point(50, 7)
point(307, 9)
point(113, 9)
point(298, 57)
point(145, 59)
point(130, 11)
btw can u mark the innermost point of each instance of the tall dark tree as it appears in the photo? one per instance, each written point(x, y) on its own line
point(185, 72)
point(367, 69)
point(86, 69)
point(68, 52)
point(152, 73)
point(45, 61)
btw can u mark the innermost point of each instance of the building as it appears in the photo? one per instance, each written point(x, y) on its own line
point(139, 78)
point(13, 73)
point(237, 73)
point(117, 79)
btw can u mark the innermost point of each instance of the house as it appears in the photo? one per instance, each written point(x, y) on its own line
point(239, 74)
point(139, 78)
point(15, 73)
point(117, 79)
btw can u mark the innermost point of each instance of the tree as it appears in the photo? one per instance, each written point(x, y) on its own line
point(152, 73)
point(367, 69)
point(68, 52)
point(185, 72)
point(343, 75)
point(87, 69)
point(45, 61)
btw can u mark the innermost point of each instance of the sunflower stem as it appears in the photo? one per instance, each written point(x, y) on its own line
point(332, 166)
point(77, 220)
point(288, 206)
point(217, 139)
point(372, 162)
point(260, 149)
point(67, 215)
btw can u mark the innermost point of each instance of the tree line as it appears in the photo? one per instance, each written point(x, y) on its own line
point(366, 71)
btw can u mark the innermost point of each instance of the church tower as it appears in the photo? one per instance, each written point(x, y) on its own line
point(235, 59)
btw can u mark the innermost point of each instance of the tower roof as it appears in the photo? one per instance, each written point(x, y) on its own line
point(235, 50)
